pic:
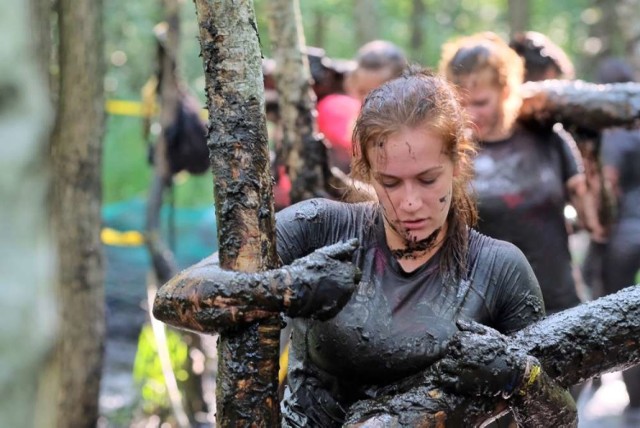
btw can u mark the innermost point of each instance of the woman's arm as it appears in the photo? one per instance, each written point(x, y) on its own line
point(481, 361)
point(205, 298)
point(586, 204)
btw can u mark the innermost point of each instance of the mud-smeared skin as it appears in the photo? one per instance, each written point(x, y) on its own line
point(206, 299)
point(584, 105)
point(597, 337)
point(237, 140)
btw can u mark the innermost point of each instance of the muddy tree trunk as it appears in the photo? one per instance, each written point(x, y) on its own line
point(303, 150)
point(579, 343)
point(28, 306)
point(248, 359)
point(587, 106)
point(76, 152)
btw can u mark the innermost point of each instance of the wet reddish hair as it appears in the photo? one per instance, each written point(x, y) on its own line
point(485, 59)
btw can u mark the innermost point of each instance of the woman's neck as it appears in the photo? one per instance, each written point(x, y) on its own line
point(411, 255)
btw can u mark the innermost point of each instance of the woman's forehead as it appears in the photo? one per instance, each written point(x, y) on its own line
point(485, 78)
point(408, 147)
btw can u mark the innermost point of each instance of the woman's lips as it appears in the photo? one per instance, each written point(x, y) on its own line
point(414, 224)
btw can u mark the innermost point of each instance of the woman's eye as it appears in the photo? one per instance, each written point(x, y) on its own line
point(389, 183)
point(427, 181)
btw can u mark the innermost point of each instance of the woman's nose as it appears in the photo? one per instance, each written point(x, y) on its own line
point(411, 201)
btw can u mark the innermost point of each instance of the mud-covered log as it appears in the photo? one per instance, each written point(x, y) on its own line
point(302, 151)
point(579, 343)
point(593, 338)
point(247, 379)
point(582, 105)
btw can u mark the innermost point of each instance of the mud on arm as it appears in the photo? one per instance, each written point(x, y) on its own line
point(205, 298)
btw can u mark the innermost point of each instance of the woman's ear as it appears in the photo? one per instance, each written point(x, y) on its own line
point(456, 169)
point(506, 92)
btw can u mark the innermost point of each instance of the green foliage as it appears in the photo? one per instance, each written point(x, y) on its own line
point(147, 370)
point(127, 172)
point(131, 50)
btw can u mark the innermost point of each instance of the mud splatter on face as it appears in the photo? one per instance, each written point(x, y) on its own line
point(443, 201)
point(411, 153)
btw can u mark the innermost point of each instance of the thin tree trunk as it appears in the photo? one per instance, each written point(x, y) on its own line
point(365, 18)
point(304, 152)
point(417, 19)
point(583, 105)
point(247, 380)
point(628, 14)
point(28, 306)
point(604, 36)
point(76, 152)
point(519, 12)
point(319, 27)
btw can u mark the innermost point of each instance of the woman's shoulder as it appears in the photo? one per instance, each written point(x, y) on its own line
point(318, 208)
point(487, 249)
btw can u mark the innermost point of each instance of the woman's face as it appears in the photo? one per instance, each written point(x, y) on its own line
point(413, 180)
point(363, 81)
point(484, 105)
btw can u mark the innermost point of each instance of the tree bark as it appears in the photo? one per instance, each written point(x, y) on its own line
point(586, 106)
point(303, 150)
point(248, 359)
point(605, 38)
point(319, 27)
point(417, 19)
point(574, 345)
point(76, 199)
point(27, 266)
point(519, 12)
point(365, 18)
point(628, 13)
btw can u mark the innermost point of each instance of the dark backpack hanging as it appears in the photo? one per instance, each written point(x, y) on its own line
point(186, 138)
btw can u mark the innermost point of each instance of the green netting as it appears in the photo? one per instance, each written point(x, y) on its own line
point(127, 267)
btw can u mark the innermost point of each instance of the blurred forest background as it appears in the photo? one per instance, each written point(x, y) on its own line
point(587, 29)
point(132, 391)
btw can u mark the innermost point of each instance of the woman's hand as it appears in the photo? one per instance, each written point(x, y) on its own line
point(324, 281)
point(481, 361)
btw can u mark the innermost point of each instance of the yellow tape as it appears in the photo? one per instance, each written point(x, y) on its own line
point(284, 363)
point(124, 108)
point(138, 109)
point(535, 372)
point(131, 238)
point(531, 374)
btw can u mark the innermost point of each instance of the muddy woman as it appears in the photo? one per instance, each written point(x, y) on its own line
point(413, 285)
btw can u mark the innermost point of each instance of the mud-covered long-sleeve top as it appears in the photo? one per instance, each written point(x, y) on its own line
point(395, 323)
point(521, 186)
